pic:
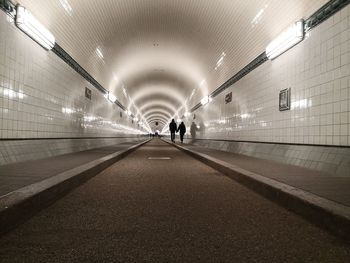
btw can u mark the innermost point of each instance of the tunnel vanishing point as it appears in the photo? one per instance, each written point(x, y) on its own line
point(175, 131)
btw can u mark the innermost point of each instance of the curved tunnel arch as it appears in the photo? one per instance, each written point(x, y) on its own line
point(159, 121)
point(145, 42)
point(157, 111)
point(157, 118)
point(155, 104)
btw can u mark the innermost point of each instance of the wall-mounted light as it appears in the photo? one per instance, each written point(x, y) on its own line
point(111, 97)
point(287, 39)
point(206, 100)
point(33, 28)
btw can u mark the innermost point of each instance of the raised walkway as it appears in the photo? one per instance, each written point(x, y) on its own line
point(329, 186)
point(322, 198)
point(17, 175)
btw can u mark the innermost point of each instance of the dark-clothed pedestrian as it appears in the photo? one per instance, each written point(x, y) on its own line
point(182, 130)
point(172, 129)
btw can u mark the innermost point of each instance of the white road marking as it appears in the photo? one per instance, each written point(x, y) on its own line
point(159, 158)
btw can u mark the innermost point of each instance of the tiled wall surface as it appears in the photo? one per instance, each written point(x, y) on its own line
point(317, 71)
point(42, 97)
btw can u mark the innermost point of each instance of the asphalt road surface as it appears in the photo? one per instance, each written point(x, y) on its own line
point(167, 210)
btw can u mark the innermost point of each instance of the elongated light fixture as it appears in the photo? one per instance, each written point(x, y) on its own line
point(287, 39)
point(111, 97)
point(206, 100)
point(33, 28)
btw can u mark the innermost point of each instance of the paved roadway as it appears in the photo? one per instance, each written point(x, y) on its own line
point(167, 210)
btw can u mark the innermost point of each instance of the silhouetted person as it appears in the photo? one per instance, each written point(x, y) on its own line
point(193, 130)
point(172, 129)
point(182, 129)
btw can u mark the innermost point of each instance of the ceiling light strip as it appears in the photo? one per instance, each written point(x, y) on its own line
point(315, 19)
point(28, 24)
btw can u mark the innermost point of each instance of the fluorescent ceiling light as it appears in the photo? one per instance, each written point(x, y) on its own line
point(99, 53)
point(67, 6)
point(111, 97)
point(221, 59)
point(287, 39)
point(258, 16)
point(33, 28)
point(193, 92)
point(124, 92)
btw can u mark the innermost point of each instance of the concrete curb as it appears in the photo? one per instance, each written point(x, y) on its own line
point(322, 212)
point(19, 205)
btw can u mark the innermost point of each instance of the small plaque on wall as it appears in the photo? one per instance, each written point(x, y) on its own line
point(284, 100)
point(228, 98)
point(88, 93)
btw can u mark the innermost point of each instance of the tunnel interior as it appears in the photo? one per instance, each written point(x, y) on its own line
point(90, 92)
point(117, 71)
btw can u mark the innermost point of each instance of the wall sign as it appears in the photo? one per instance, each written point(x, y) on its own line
point(284, 100)
point(88, 93)
point(228, 97)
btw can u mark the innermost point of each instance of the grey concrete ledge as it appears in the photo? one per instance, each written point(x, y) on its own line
point(19, 205)
point(322, 212)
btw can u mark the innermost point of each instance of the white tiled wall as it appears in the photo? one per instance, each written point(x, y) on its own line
point(42, 97)
point(318, 72)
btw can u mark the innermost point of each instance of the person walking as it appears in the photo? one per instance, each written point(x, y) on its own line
point(172, 129)
point(182, 129)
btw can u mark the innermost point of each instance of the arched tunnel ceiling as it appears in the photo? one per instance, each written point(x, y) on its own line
point(160, 51)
